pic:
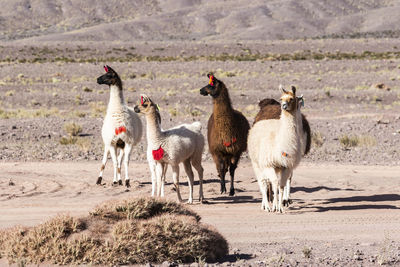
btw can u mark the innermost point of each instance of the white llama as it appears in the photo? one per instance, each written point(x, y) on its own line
point(275, 149)
point(181, 144)
point(122, 128)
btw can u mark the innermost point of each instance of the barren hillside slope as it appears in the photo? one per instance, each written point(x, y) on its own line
point(151, 20)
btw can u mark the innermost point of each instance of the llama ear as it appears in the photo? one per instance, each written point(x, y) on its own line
point(293, 90)
point(109, 69)
point(282, 89)
point(300, 100)
point(144, 98)
point(105, 68)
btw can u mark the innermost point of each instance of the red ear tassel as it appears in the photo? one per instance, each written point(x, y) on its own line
point(105, 68)
point(211, 82)
point(141, 100)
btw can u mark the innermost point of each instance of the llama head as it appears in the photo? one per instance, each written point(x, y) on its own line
point(289, 101)
point(110, 77)
point(213, 87)
point(146, 105)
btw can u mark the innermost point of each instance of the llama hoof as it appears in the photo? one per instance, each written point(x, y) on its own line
point(189, 201)
point(127, 183)
point(120, 182)
point(223, 190)
point(232, 192)
point(115, 183)
point(99, 180)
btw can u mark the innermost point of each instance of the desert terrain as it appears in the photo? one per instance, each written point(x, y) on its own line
point(343, 57)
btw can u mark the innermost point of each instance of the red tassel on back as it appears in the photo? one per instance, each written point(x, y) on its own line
point(158, 154)
point(120, 130)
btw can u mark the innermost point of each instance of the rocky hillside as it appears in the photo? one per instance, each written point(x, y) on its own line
point(152, 20)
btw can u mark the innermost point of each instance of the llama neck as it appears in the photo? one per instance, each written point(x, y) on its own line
point(288, 137)
point(222, 105)
point(153, 129)
point(116, 98)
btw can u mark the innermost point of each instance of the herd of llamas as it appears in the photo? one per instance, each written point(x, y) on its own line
point(276, 142)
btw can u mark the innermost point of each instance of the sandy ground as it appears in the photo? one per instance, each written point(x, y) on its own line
point(342, 214)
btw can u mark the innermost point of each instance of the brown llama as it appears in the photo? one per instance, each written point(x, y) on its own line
point(227, 131)
point(271, 109)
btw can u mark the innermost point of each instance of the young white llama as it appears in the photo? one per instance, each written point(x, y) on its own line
point(183, 143)
point(122, 128)
point(275, 149)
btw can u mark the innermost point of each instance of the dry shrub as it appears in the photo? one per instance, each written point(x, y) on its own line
point(175, 238)
point(136, 237)
point(317, 138)
point(140, 208)
point(72, 128)
point(357, 140)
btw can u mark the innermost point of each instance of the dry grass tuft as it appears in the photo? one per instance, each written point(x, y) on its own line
point(140, 208)
point(355, 140)
point(317, 138)
point(134, 231)
point(72, 128)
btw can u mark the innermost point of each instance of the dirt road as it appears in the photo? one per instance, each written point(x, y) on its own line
point(340, 214)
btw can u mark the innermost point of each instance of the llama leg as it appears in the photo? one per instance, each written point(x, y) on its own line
point(175, 178)
point(282, 178)
point(286, 192)
point(103, 164)
point(119, 160)
point(200, 172)
point(222, 169)
point(165, 167)
point(289, 184)
point(152, 167)
point(127, 150)
point(262, 183)
point(271, 175)
point(159, 173)
point(189, 172)
point(232, 168)
point(113, 152)
point(269, 192)
point(280, 192)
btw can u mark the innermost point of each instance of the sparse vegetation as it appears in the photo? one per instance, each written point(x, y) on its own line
point(317, 139)
point(307, 252)
point(98, 109)
point(68, 140)
point(72, 128)
point(357, 140)
point(134, 231)
point(24, 113)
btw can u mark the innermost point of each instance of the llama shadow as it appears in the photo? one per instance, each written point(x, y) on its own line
point(372, 198)
point(319, 188)
point(356, 207)
point(232, 200)
point(236, 257)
